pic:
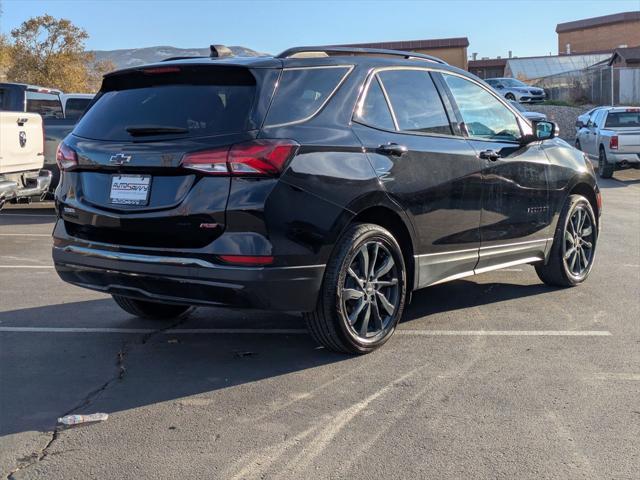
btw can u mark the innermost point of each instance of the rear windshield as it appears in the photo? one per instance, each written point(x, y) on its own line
point(181, 103)
point(46, 104)
point(75, 107)
point(623, 119)
point(302, 92)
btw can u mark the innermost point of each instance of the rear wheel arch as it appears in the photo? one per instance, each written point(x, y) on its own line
point(393, 222)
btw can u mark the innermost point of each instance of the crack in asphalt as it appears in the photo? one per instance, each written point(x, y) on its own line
point(37, 457)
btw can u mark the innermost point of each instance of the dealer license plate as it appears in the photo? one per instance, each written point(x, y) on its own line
point(130, 189)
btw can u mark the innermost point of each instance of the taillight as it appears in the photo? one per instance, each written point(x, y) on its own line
point(66, 157)
point(256, 158)
point(613, 142)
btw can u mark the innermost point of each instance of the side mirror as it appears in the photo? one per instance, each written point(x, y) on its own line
point(544, 130)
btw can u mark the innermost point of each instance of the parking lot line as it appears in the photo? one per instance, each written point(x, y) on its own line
point(25, 234)
point(27, 215)
point(26, 266)
point(300, 331)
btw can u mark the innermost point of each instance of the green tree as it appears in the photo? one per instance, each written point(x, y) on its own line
point(50, 52)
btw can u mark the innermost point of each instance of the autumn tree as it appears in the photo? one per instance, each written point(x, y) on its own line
point(50, 52)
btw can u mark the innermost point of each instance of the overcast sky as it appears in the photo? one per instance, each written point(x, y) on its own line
point(493, 27)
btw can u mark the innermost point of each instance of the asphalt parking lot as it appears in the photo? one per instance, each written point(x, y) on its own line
point(497, 376)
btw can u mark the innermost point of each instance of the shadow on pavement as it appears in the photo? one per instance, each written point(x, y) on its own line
point(45, 375)
point(464, 294)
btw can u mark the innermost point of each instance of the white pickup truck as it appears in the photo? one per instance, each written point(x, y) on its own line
point(22, 157)
point(612, 136)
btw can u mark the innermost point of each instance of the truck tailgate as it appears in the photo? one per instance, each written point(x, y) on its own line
point(22, 145)
point(629, 142)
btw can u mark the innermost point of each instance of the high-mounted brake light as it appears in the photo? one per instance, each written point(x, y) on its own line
point(157, 70)
point(613, 142)
point(66, 157)
point(256, 158)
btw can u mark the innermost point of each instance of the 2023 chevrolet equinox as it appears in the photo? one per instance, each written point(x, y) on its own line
point(328, 181)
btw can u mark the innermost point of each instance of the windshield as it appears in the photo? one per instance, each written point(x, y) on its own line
point(623, 119)
point(512, 82)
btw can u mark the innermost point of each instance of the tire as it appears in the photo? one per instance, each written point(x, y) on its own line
point(152, 310)
point(561, 270)
point(605, 169)
point(510, 96)
point(351, 296)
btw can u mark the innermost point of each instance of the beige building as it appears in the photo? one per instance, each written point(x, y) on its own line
point(451, 50)
point(599, 34)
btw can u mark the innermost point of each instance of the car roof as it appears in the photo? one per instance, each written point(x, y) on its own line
point(28, 86)
point(369, 58)
point(622, 109)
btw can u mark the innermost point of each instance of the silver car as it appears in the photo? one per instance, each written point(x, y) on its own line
point(513, 89)
point(611, 135)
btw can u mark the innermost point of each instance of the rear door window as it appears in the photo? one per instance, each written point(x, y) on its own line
point(415, 102)
point(374, 109)
point(302, 92)
point(44, 103)
point(183, 104)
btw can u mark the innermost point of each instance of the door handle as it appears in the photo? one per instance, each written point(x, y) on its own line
point(393, 149)
point(490, 155)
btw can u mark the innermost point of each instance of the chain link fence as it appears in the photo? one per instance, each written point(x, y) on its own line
point(597, 86)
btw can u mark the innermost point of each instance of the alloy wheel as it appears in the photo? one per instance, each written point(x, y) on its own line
point(370, 295)
point(578, 245)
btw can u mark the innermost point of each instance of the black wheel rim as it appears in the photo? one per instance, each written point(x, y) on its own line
point(370, 295)
point(579, 242)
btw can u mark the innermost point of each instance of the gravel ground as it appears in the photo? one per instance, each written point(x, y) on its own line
point(565, 117)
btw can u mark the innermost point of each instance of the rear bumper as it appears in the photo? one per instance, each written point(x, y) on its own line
point(631, 159)
point(190, 281)
point(36, 187)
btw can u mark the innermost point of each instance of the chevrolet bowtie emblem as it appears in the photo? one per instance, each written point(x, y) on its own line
point(120, 159)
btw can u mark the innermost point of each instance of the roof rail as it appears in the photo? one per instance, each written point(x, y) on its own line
point(358, 50)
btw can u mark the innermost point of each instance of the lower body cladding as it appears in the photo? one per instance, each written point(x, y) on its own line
point(435, 268)
point(189, 281)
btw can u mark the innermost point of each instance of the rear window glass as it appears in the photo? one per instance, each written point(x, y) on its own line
point(623, 119)
point(46, 104)
point(75, 107)
point(374, 110)
point(302, 92)
point(177, 105)
point(415, 101)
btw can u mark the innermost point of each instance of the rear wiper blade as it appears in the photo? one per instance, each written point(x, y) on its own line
point(140, 130)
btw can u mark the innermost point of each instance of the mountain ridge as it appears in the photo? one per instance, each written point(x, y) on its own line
point(131, 57)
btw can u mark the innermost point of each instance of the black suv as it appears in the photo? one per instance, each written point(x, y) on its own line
point(329, 181)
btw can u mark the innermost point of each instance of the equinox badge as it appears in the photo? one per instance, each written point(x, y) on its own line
point(120, 159)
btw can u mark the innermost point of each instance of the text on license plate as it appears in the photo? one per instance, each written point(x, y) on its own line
point(130, 189)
